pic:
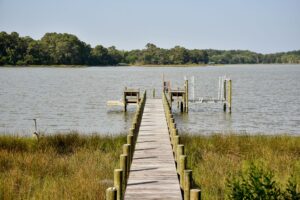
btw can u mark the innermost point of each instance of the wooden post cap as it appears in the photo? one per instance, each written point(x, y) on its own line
point(111, 193)
point(195, 194)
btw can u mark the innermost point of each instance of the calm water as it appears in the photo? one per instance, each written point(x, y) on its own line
point(266, 98)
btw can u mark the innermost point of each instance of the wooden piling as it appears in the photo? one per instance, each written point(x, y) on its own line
point(124, 100)
point(127, 151)
point(172, 135)
point(130, 139)
point(187, 184)
point(225, 97)
point(171, 100)
point(118, 183)
point(111, 193)
point(181, 106)
point(153, 93)
point(123, 166)
point(176, 142)
point(182, 167)
point(134, 125)
point(195, 194)
point(170, 118)
point(180, 152)
point(229, 95)
point(132, 132)
point(186, 95)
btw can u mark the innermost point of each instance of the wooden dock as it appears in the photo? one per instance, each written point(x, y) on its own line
point(153, 173)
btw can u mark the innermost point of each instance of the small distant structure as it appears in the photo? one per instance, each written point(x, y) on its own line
point(36, 133)
point(224, 94)
point(130, 96)
point(181, 95)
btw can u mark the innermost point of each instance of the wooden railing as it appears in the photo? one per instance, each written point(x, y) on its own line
point(121, 174)
point(185, 175)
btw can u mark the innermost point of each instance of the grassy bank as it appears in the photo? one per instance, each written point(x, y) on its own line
point(75, 166)
point(58, 167)
point(216, 159)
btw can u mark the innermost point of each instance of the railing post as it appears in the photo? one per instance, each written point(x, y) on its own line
point(127, 151)
point(225, 97)
point(182, 167)
point(180, 152)
point(187, 184)
point(111, 193)
point(131, 132)
point(195, 194)
point(123, 166)
point(176, 142)
point(130, 141)
point(229, 95)
point(118, 183)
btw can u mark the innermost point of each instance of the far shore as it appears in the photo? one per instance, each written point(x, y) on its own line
point(141, 65)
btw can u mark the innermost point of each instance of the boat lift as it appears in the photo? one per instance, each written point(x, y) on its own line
point(181, 95)
point(224, 94)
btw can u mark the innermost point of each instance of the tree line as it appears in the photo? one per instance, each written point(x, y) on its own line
point(67, 49)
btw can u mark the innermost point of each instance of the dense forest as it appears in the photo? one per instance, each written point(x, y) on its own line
point(67, 49)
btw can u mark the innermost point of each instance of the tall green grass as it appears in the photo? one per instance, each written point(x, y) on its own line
point(62, 166)
point(216, 159)
point(74, 166)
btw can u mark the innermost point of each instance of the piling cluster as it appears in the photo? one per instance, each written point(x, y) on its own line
point(184, 174)
point(121, 175)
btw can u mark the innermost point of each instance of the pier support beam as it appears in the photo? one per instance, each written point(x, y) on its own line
point(224, 94)
point(186, 96)
point(229, 95)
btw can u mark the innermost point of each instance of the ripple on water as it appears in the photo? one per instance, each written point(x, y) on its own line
point(265, 98)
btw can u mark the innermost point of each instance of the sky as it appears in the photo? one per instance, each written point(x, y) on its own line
point(264, 26)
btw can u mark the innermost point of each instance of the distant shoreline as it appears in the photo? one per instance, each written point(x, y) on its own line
point(68, 49)
point(140, 65)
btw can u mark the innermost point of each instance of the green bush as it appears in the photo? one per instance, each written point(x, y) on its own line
point(291, 190)
point(258, 183)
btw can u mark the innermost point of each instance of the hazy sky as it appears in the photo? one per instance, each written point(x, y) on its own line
point(259, 25)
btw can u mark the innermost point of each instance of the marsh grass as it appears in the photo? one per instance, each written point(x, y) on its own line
point(74, 166)
point(216, 159)
point(61, 166)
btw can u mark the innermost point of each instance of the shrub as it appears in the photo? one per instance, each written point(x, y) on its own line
point(258, 183)
point(291, 190)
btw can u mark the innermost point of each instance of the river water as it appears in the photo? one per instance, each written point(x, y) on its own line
point(266, 98)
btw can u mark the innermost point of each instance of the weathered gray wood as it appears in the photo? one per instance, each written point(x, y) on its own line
point(153, 173)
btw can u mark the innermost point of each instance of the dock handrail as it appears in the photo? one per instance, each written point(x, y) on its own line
point(121, 175)
point(185, 175)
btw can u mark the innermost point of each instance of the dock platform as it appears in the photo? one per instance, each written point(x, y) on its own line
point(153, 172)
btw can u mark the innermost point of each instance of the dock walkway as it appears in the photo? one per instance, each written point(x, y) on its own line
point(153, 173)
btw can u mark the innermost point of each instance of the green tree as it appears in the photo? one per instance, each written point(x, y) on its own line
point(99, 55)
point(66, 49)
point(115, 56)
point(36, 54)
point(178, 55)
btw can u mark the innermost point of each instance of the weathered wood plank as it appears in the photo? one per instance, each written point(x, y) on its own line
point(153, 173)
